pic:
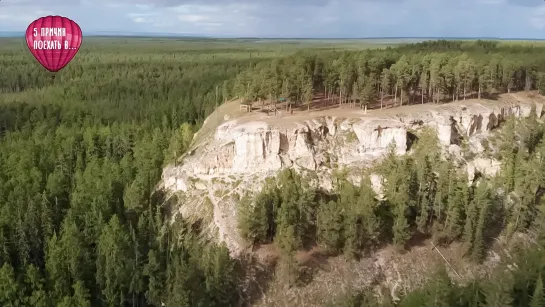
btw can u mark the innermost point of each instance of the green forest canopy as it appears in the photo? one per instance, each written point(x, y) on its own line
point(80, 156)
point(427, 71)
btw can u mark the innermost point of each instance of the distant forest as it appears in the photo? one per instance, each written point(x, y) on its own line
point(81, 221)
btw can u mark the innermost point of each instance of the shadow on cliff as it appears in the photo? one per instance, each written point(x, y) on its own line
point(411, 139)
point(490, 96)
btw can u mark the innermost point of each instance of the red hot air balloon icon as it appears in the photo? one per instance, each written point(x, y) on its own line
point(53, 41)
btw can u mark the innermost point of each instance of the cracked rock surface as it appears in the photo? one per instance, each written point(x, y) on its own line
point(239, 154)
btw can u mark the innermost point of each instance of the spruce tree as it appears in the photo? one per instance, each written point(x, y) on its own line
point(440, 290)
point(498, 291)
point(537, 298)
point(368, 208)
point(177, 283)
point(330, 226)
point(401, 226)
point(114, 258)
point(10, 289)
point(156, 279)
point(472, 216)
point(478, 247)
point(457, 203)
point(35, 285)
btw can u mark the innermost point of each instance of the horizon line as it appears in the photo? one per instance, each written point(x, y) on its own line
point(167, 34)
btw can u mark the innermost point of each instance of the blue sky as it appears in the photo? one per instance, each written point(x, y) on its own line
point(291, 18)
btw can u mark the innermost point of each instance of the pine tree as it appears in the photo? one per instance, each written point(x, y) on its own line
point(10, 290)
point(81, 297)
point(425, 194)
point(288, 267)
point(114, 259)
point(413, 299)
point(330, 225)
point(498, 291)
point(401, 226)
point(443, 190)
point(256, 219)
point(4, 246)
point(457, 203)
point(56, 268)
point(35, 285)
point(472, 295)
point(399, 190)
point(135, 195)
point(221, 276)
point(508, 150)
point(177, 288)
point(156, 279)
point(75, 252)
point(478, 251)
point(385, 84)
point(46, 219)
point(136, 277)
point(472, 216)
point(537, 298)
point(440, 290)
point(367, 208)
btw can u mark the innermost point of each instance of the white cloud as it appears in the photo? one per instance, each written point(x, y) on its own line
point(187, 8)
point(135, 15)
point(140, 20)
point(491, 2)
point(193, 18)
point(43, 13)
point(538, 18)
point(210, 24)
point(290, 18)
point(115, 5)
point(22, 17)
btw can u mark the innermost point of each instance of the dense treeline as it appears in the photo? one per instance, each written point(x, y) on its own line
point(117, 89)
point(80, 156)
point(519, 283)
point(508, 285)
point(424, 194)
point(81, 222)
point(417, 73)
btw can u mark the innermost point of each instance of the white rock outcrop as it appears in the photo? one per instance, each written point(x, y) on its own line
point(239, 155)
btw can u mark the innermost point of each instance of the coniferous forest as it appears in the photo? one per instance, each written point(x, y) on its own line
point(424, 72)
point(81, 155)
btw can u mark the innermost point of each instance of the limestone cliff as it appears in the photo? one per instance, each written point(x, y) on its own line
point(238, 154)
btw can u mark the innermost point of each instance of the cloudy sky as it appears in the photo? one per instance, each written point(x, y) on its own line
point(291, 18)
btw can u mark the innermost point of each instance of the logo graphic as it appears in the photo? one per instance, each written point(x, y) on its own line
point(53, 41)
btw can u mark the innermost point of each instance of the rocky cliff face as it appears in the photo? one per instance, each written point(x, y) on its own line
point(241, 153)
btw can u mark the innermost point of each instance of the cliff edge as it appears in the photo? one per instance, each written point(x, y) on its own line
point(234, 152)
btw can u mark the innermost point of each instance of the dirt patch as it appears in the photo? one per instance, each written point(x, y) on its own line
point(399, 271)
point(267, 254)
point(225, 112)
point(321, 107)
